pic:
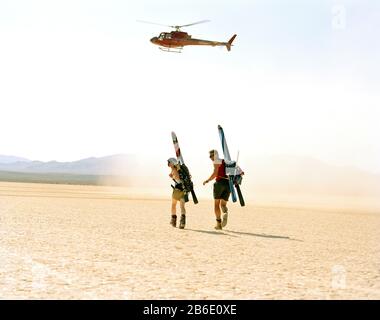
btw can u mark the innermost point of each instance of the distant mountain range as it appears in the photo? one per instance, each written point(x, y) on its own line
point(11, 159)
point(276, 174)
point(111, 165)
point(111, 170)
point(297, 174)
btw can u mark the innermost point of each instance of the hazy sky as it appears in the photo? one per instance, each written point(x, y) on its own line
point(80, 78)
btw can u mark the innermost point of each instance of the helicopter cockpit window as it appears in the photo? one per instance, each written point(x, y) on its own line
point(162, 36)
point(168, 36)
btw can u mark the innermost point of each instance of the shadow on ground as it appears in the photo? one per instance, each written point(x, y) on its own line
point(236, 234)
point(217, 233)
point(262, 235)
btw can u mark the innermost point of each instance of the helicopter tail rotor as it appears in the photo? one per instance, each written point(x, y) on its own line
point(229, 43)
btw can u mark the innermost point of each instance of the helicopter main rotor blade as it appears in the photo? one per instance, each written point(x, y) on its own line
point(158, 24)
point(191, 24)
point(175, 27)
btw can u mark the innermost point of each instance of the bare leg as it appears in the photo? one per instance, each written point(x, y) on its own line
point(182, 205)
point(182, 222)
point(223, 204)
point(217, 214)
point(174, 207)
point(173, 220)
point(217, 208)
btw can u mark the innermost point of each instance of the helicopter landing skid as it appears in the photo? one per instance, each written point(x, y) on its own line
point(175, 50)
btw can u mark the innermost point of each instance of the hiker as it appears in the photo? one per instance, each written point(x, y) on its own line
point(178, 195)
point(221, 189)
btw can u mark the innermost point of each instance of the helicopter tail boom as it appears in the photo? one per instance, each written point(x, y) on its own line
point(229, 43)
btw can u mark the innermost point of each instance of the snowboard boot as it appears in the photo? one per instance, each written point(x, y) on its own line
point(173, 221)
point(225, 218)
point(182, 222)
point(218, 224)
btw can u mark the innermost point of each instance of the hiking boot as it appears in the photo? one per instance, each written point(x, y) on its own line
point(182, 222)
point(173, 221)
point(225, 218)
point(218, 224)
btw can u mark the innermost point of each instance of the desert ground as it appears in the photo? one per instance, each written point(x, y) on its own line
point(88, 242)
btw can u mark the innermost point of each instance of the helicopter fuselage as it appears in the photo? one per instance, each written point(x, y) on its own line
point(179, 39)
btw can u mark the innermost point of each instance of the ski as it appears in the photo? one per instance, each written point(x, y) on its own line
point(183, 171)
point(241, 199)
point(233, 172)
point(238, 178)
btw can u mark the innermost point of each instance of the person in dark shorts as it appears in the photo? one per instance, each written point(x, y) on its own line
point(221, 189)
point(178, 195)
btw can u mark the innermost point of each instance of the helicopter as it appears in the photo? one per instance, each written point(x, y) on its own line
point(174, 41)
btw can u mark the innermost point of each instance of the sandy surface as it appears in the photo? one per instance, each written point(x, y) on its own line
point(76, 242)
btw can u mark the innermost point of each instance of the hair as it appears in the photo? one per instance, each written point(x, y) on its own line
point(215, 153)
point(173, 161)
